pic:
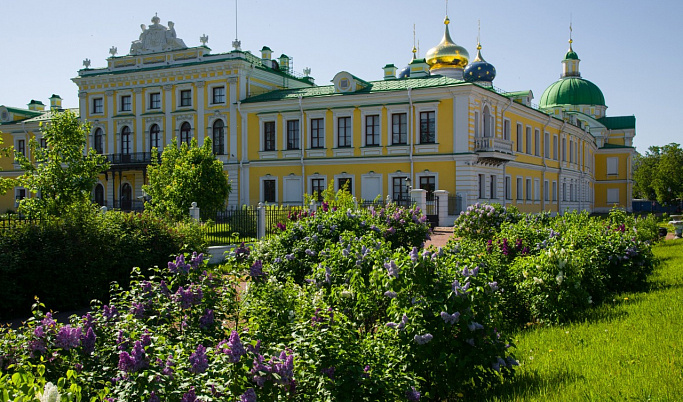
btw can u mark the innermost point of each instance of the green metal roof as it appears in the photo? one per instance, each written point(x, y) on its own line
point(618, 122)
point(373, 87)
point(572, 91)
point(571, 55)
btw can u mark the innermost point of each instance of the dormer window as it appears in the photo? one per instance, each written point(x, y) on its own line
point(344, 83)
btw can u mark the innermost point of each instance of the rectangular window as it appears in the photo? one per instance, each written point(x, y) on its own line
point(476, 124)
point(269, 190)
point(317, 188)
point(554, 147)
point(564, 150)
point(399, 129)
point(126, 103)
point(612, 195)
point(537, 143)
point(520, 189)
point(529, 190)
point(546, 191)
point(155, 100)
point(292, 134)
point(537, 190)
point(508, 188)
point(428, 183)
point(612, 166)
point(317, 133)
point(399, 189)
point(506, 130)
point(21, 147)
point(519, 138)
point(492, 187)
point(372, 130)
point(482, 186)
point(546, 145)
point(571, 151)
point(344, 132)
point(98, 105)
point(555, 198)
point(43, 143)
point(185, 98)
point(564, 191)
point(528, 140)
point(269, 136)
point(427, 128)
point(345, 184)
point(218, 95)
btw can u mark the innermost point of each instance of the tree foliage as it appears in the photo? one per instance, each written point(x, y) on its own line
point(186, 174)
point(61, 175)
point(6, 183)
point(658, 174)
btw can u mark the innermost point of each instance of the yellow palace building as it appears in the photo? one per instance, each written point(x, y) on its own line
point(439, 125)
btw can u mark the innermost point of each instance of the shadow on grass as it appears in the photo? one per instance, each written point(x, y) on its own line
point(528, 384)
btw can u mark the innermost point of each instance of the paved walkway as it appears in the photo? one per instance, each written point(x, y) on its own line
point(440, 236)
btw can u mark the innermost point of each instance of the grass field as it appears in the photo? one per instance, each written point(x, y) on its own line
point(630, 349)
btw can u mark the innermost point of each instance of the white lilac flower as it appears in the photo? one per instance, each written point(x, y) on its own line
point(50, 393)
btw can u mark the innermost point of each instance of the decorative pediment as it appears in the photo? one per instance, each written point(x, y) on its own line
point(157, 38)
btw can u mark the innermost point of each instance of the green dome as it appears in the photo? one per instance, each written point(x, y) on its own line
point(572, 91)
point(571, 55)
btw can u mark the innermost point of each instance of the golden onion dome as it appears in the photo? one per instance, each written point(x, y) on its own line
point(447, 54)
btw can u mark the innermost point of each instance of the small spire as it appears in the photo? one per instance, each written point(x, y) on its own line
point(478, 34)
point(414, 47)
point(570, 33)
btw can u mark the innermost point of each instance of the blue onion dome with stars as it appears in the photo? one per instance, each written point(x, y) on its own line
point(480, 70)
point(405, 72)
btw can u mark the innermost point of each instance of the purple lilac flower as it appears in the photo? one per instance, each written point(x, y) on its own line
point(329, 372)
point(470, 272)
point(198, 360)
point(179, 266)
point(121, 341)
point(289, 257)
point(422, 339)
point(460, 290)
point(207, 320)
point(254, 348)
point(391, 230)
point(413, 395)
point(146, 338)
point(450, 318)
point(284, 368)
point(236, 347)
point(189, 396)
point(35, 346)
point(48, 321)
point(69, 337)
point(493, 286)
point(242, 252)
point(39, 331)
point(505, 247)
point(392, 268)
point(328, 275)
point(196, 259)
point(390, 294)
point(470, 341)
point(88, 341)
point(153, 397)
point(281, 226)
point(190, 296)
point(414, 254)
point(168, 367)
point(258, 370)
point(248, 396)
point(140, 357)
point(138, 309)
point(403, 323)
point(310, 252)
point(473, 326)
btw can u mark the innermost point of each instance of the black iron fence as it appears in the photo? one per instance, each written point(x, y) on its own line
point(454, 204)
point(231, 226)
point(13, 221)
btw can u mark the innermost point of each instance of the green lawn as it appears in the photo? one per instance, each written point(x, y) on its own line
point(628, 350)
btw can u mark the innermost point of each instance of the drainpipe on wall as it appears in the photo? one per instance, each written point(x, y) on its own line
point(302, 137)
point(410, 135)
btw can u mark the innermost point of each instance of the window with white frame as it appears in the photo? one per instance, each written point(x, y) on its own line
point(520, 135)
point(546, 145)
point(555, 197)
point(612, 166)
point(98, 105)
point(317, 188)
point(613, 196)
point(520, 189)
point(554, 147)
point(508, 187)
point(428, 183)
point(218, 137)
point(528, 140)
point(564, 191)
point(399, 129)
point(506, 129)
point(185, 133)
point(21, 147)
point(345, 184)
point(19, 194)
point(125, 140)
point(427, 127)
point(571, 151)
point(492, 187)
point(292, 134)
point(317, 133)
point(537, 142)
point(537, 190)
point(372, 130)
point(488, 122)
point(564, 150)
point(155, 100)
point(269, 190)
point(185, 98)
point(344, 132)
point(546, 191)
point(399, 188)
point(269, 136)
point(98, 140)
point(126, 103)
point(482, 186)
point(217, 95)
point(529, 190)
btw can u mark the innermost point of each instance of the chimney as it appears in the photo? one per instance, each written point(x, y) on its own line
point(389, 72)
point(36, 105)
point(55, 102)
point(266, 54)
point(284, 63)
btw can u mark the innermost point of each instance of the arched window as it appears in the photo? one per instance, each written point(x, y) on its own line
point(488, 123)
point(218, 137)
point(98, 141)
point(126, 197)
point(99, 194)
point(154, 137)
point(185, 133)
point(125, 140)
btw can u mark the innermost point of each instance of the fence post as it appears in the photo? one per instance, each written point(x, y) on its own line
point(194, 211)
point(442, 199)
point(355, 203)
point(419, 196)
point(261, 221)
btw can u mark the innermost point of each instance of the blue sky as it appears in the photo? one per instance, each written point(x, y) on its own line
point(631, 49)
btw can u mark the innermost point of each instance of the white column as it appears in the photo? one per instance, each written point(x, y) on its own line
point(261, 209)
point(232, 92)
point(442, 199)
point(419, 196)
point(200, 87)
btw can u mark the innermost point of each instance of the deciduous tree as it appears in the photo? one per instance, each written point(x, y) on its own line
point(658, 174)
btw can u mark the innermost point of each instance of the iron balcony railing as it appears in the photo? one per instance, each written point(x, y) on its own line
point(135, 158)
point(492, 144)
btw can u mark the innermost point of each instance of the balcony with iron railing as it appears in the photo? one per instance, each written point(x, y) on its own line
point(493, 150)
point(130, 159)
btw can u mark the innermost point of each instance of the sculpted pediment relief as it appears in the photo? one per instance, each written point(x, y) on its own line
point(157, 38)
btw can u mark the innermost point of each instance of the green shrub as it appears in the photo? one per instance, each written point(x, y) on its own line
point(482, 221)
